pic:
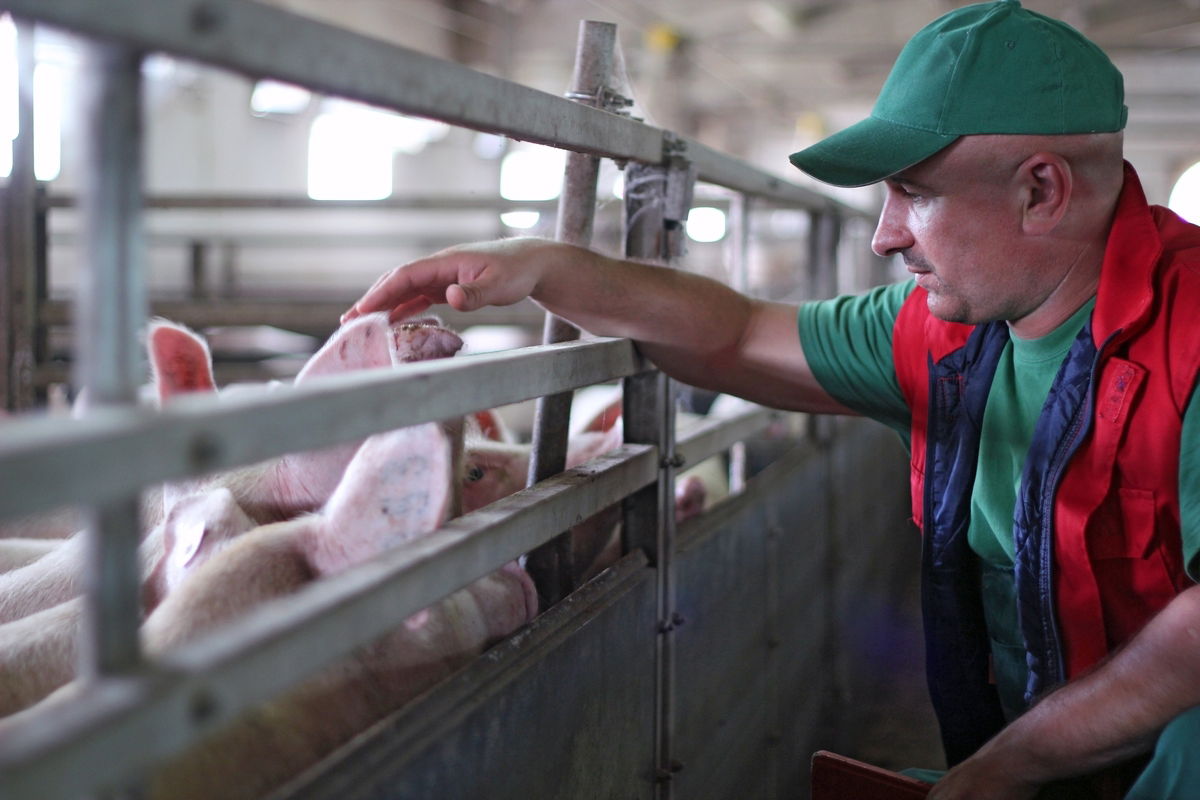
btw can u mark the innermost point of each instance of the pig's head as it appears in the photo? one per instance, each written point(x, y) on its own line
point(397, 488)
point(690, 497)
point(195, 528)
point(367, 342)
point(370, 341)
point(492, 470)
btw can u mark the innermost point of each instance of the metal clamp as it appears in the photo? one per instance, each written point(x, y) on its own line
point(674, 145)
point(604, 98)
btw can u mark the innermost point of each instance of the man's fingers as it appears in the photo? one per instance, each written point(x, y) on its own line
point(411, 308)
point(463, 296)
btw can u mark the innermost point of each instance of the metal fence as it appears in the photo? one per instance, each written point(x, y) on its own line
point(136, 712)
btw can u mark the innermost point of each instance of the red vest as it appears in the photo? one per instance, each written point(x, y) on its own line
point(1114, 527)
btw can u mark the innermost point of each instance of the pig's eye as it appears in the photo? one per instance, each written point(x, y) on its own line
point(474, 474)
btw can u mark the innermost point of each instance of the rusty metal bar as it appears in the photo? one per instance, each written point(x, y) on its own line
point(551, 566)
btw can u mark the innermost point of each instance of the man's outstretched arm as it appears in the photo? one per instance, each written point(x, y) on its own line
point(696, 329)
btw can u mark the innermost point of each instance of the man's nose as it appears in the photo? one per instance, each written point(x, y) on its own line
point(891, 234)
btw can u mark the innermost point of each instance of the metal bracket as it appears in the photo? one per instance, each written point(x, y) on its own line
point(673, 145)
point(604, 98)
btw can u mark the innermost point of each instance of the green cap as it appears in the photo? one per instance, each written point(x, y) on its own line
point(984, 68)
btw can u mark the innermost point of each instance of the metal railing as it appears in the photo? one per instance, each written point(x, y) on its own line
point(135, 712)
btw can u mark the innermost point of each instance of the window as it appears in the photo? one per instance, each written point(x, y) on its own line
point(1185, 197)
point(49, 81)
point(351, 146)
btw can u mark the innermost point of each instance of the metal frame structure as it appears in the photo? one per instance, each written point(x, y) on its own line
point(165, 705)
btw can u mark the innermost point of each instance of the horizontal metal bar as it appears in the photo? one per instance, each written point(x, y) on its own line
point(295, 313)
point(260, 41)
point(711, 436)
point(210, 202)
point(45, 463)
point(725, 170)
point(120, 726)
point(283, 240)
point(288, 202)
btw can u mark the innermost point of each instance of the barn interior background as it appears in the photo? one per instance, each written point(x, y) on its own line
point(269, 207)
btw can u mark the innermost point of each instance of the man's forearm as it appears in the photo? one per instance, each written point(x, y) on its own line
point(657, 305)
point(696, 329)
point(1110, 714)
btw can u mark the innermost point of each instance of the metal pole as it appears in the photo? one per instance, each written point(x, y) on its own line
point(198, 270)
point(111, 309)
point(739, 259)
point(655, 212)
point(824, 231)
point(20, 213)
point(551, 565)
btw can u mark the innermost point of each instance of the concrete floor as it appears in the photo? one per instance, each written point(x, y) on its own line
point(887, 718)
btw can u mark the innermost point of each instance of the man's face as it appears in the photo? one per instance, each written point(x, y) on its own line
point(955, 219)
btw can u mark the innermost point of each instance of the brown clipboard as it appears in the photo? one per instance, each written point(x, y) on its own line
point(837, 777)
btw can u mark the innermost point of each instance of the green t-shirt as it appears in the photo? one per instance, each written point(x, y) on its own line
point(848, 344)
point(1024, 375)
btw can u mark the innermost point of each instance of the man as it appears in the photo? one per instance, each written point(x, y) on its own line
point(1041, 366)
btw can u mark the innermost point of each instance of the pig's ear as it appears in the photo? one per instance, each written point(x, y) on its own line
point(398, 487)
point(490, 426)
point(607, 417)
point(180, 360)
point(359, 344)
point(587, 445)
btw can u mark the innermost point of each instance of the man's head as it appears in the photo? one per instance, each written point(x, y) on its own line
point(990, 68)
point(998, 138)
point(1004, 227)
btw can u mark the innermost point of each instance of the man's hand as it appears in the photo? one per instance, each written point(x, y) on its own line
point(987, 775)
point(695, 329)
point(466, 277)
point(1106, 716)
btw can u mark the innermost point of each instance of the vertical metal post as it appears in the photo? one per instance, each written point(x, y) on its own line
point(739, 260)
point(824, 231)
point(20, 213)
point(198, 270)
point(229, 269)
point(551, 564)
point(111, 309)
point(655, 212)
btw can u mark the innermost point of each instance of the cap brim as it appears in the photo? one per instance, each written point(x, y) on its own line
point(868, 152)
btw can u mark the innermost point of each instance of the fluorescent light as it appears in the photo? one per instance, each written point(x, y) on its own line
point(532, 173)
point(706, 224)
point(351, 147)
point(276, 97)
point(1185, 197)
point(48, 82)
point(8, 79)
point(347, 159)
point(520, 219)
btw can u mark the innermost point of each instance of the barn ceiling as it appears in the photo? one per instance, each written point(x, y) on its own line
point(762, 76)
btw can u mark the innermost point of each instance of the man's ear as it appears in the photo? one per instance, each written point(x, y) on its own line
point(1046, 184)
